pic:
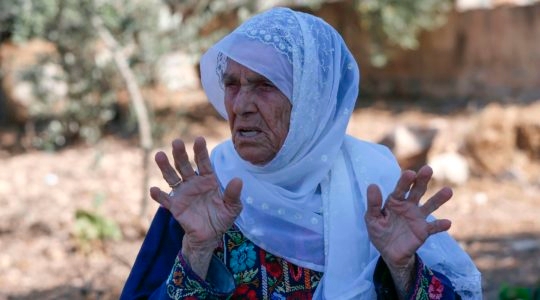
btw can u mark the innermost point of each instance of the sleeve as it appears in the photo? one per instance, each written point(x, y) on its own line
point(155, 258)
point(427, 284)
point(151, 276)
point(183, 283)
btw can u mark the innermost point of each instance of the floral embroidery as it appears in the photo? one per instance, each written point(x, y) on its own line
point(242, 258)
point(277, 297)
point(296, 274)
point(244, 292)
point(300, 295)
point(428, 284)
point(268, 276)
point(257, 274)
point(261, 275)
point(177, 278)
point(435, 289)
point(274, 269)
point(184, 284)
point(431, 285)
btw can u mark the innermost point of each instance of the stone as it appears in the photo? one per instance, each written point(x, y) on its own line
point(450, 168)
point(491, 141)
point(410, 145)
point(528, 131)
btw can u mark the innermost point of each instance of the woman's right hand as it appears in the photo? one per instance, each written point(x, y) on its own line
point(197, 203)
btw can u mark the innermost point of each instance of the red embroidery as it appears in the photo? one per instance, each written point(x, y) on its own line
point(300, 295)
point(298, 274)
point(435, 289)
point(274, 269)
point(244, 292)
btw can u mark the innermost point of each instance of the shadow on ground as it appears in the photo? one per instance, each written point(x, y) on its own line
point(512, 260)
point(68, 293)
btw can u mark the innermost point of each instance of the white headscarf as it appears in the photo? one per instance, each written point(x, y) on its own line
point(307, 205)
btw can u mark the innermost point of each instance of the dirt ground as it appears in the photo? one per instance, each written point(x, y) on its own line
point(494, 219)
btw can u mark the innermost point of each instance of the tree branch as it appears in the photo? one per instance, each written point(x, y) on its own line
point(136, 98)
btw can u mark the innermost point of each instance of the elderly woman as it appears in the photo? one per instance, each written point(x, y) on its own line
point(291, 207)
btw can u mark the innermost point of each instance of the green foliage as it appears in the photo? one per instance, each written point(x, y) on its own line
point(508, 292)
point(147, 29)
point(144, 29)
point(86, 65)
point(399, 22)
point(91, 225)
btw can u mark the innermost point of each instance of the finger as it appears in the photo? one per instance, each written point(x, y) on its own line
point(181, 159)
point(436, 201)
point(403, 185)
point(160, 197)
point(439, 226)
point(419, 187)
point(167, 171)
point(374, 200)
point(201, 156)
point(231, 196)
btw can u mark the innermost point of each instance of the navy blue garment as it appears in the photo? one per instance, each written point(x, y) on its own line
point(155, 259)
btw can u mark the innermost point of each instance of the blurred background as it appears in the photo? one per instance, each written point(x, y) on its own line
point(91, 89)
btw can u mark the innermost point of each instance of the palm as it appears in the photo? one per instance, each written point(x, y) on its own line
point(197, 203)
point(400, 228)
point(199, 208)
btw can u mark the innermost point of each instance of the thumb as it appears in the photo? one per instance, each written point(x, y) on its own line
point(439, 226)
point(160, 197)
point(231, 196)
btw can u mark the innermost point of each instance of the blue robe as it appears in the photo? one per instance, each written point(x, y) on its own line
point(155, 259)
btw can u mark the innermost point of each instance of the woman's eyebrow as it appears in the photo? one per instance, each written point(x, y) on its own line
point(228, 77)
point(257, 79)
point(251, 79)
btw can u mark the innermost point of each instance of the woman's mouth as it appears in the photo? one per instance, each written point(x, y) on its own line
point(248, 133)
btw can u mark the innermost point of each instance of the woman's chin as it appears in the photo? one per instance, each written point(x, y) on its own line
point(253, 155)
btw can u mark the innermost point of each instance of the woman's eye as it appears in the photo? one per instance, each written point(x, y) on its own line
point(230, 85)
point(267, 85)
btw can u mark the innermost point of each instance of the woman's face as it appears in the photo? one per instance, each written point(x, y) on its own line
point(259, 113)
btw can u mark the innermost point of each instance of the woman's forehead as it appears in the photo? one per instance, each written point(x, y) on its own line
point(235, 70)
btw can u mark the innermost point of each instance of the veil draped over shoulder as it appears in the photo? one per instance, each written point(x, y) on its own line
point(307, 205)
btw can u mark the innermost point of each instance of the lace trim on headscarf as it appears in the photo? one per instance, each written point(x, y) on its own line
point(275, 29)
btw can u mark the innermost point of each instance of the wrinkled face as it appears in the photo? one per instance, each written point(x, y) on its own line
point(259, 113)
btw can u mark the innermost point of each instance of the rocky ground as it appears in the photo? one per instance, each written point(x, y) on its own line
point(42, 256)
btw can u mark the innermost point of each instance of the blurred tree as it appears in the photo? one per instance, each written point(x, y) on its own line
point(143, 30)
point(92, 80)
point(88, 36)
point(108, 46)
point(399, 23)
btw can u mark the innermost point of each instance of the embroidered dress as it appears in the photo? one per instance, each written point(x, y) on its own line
point(305, 205)
point(303, 210)
point(260, 275)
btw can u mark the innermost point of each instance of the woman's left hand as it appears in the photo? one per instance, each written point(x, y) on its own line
point(400, 227)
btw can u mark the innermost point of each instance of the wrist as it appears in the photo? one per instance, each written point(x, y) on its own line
point(198, 257)
point(402, 264)
point(403, 275)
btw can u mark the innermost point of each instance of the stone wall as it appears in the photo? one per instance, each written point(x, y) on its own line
point(490, 55)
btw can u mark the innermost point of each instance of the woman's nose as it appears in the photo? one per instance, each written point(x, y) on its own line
point(244, 102)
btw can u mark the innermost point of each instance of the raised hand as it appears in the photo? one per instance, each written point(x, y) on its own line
point(196, 202)
point(400, 227)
